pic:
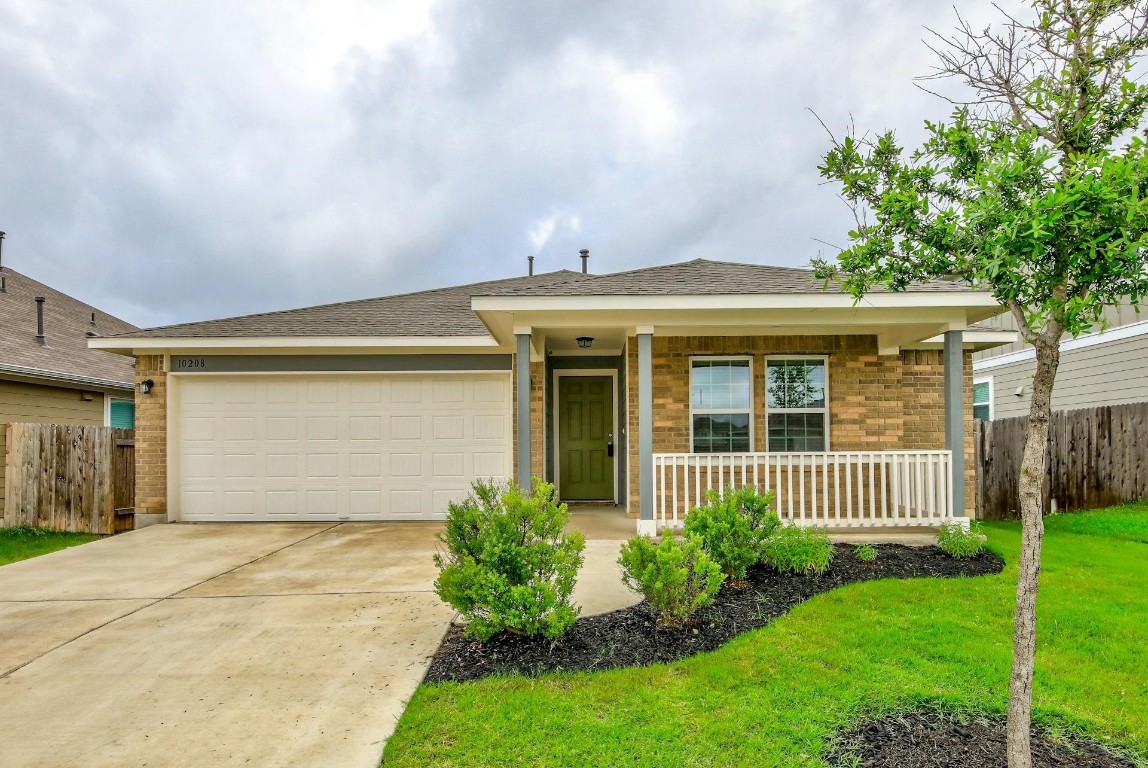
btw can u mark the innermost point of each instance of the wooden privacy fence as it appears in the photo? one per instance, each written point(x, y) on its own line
point(1094, 460)
point(69, 478)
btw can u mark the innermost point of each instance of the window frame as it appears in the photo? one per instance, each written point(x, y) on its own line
point(749, 410)
point(824, 410)
point(108, 399)
point(973, 396)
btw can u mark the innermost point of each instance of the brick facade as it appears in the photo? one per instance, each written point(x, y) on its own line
point(151, 437)
point(876, 402)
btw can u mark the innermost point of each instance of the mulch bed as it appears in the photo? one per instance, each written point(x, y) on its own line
point(924, 739)
point(630, 637)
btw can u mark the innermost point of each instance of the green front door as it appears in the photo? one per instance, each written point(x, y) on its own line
point(585, 438)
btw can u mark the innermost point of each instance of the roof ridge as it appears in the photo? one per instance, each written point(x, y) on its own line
point(424, 292)
point(600, 278)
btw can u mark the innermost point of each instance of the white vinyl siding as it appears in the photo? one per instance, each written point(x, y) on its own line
point(1102, 374)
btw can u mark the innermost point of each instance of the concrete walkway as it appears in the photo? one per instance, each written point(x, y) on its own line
point(217, 645)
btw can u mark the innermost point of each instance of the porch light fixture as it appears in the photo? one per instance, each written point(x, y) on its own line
point(146, 385)
point(584, 342)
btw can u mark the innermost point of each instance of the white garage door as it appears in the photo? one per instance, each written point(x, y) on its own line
point(337, 447)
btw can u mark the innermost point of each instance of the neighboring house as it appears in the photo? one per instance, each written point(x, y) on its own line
point(640, 388)
point(48, 374)
point(1108, 367)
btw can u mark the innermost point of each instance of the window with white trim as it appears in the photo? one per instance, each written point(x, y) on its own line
point(983, 399)
point(121, 413)
point(721, 405)
point(796, 404)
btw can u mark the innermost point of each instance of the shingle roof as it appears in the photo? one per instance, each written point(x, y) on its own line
point(707, 278)
point(437, 312)
point(67, 322)
point(447, 311)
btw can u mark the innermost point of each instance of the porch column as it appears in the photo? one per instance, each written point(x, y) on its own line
point(646, 522)
point(522, 406)
point(955, 415)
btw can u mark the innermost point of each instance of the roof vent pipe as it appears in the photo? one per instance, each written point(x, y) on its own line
point(40, 322)
point(1, 250)
point(530, 266)
point(585, 254)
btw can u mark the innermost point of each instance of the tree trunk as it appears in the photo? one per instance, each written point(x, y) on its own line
point(1033, 469)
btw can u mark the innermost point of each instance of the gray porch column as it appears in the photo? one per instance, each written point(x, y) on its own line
point(646, 522)
point(955, 415)
point(522, 407)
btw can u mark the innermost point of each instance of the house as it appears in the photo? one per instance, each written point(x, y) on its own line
point(48, 374)
point(1107, 367)
point(641, 389)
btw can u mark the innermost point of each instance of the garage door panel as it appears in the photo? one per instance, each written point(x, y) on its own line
point(372, 447)
point(282, 503)
point(366, 427)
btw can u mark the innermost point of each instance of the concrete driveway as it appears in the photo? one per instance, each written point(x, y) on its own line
point(217, 645)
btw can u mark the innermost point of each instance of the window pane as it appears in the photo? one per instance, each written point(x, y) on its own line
point(795, 383)
point(720, 384)
point(981, 392)
point(796, 432)
point(721, 433)
point(122, 414)
point(981, 412)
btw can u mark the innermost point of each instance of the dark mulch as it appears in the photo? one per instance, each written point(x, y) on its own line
point(630, 637)
point(924, 739)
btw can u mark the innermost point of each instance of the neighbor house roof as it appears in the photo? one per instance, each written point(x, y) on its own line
point(67, 325)
point(447, 311)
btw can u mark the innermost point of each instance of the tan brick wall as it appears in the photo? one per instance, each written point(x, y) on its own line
point(151, 437)
point(923, 382)
point(537, 419)
point(876, 402)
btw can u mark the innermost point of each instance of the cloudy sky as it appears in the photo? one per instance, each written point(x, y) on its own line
point(171, 161)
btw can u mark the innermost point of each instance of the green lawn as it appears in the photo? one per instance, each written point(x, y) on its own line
point(22, 543)
point(773, 697)
point(1127, 521)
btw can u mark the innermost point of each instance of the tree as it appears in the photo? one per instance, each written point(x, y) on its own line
point(1036, 191)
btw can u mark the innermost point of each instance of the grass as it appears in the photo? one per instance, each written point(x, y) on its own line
point(1127, 521)
point(22, 543)
point(775, 697)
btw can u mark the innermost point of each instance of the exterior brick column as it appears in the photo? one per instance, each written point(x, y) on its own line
point(151, 438)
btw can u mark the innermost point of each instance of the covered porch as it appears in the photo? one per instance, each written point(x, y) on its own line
point(854, 417)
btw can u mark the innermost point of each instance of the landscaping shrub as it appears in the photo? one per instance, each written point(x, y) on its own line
point(675, 576)
point(508, 563)
point(956, 541)
point(866, 553)
point(795, 549)
point(732, 527)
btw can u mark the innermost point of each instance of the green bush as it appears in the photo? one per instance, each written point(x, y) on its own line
point(866, 553)
point(733, 527)
point(957, 541)
point(796, 549)
point(508, 563)
point(675, 576)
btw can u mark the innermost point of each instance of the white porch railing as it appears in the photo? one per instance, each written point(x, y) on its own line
point(844, 489)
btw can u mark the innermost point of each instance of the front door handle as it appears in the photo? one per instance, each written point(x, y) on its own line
point(610, 447)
